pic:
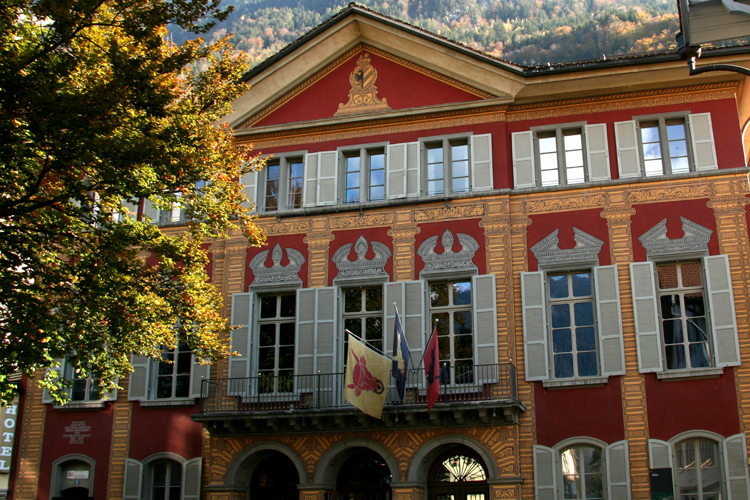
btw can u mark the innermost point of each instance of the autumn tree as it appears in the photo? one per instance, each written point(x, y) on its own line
point(98, 112)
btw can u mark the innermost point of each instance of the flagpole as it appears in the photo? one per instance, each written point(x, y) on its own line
point(368, 345)
point(411, 362)
point(428, 343)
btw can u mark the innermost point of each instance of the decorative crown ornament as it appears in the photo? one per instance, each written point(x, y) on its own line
point(695, 240)
point(448, 260)
point(363, 96)
point(362, 266)
point(548, 251)
point(277, 274)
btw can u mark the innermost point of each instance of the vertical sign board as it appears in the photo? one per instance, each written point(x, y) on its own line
point(8, 416)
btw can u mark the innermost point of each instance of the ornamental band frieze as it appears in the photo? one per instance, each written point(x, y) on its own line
point(456, 212)
point(381, 219)
point(294, 226)
point(567, 203)
point(670, 193)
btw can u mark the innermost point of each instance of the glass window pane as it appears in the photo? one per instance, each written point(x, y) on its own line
point(653, 167)
point(558, 286)
point(584, 313)
point(675, 131)
point(435, 188)
point(460, 152)
point(675, 355)
point(649, 133)
point(581, 284)
point(560, 315)
point(377, 193)
point(286, 333)
point(680, 165)
point(353, 300)
point(288, 306)
point(267, 335)
point(352, 164)
point(563, 366)
point(439, 294)
point(573, 158)
point(435, 155)
point(576, 175)
point(374, 299)
point(461, 185)
point(587, 364)
point(550, 178)
point(562, 340)
point(585, 339)
point(460, 169)
point(377, 161)
point(699, 356)
point(462, 324)
point(652, 151)
point(268, 307)
point(462, 293)
point(677, 148)
point(547, 145)
point(352, 180)
point(266, 358)
point(572, 141)
point(286, 357)
point(548, 161)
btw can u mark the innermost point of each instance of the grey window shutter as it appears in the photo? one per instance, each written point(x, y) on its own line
point(131, 489)
point(524, 173)
point(191, 477)
point(597, 152)
point(618, 471)
point(534, 303)
point(139, 378)
point(150, 211)
point(628, 156)
point(735, 467)
point(409, 298)
point(485, 324)
point(327, 175)
point(306, 309)
point(239, 366)
point(721, 310)
point(609, 322)
point(659, 454)
point(325, 329)
point(481, 162)
point(413, 186)
point(702, 135)
point(60, 369)
point(545, 473)
point(396, 171)
point(198, 374)
point(310, 189)
point(250, 180)
point(645, 308)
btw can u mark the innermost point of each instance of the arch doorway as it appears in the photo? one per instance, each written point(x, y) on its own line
point(458, 474)
point(364, 476)
point(275, 478)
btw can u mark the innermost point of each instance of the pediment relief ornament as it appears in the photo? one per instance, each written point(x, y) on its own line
point(363, 96)
point(362, 267)
point(277, 274)
point(549, 253)
point(696, 238)
point(449, 260)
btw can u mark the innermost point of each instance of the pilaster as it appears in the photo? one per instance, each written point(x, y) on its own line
point(407, 493)
point(32, 437)
point(230, 264)
point(120, 447)
point(403, 233)
point(318, 244)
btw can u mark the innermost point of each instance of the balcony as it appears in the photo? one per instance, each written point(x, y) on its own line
point(476, 395)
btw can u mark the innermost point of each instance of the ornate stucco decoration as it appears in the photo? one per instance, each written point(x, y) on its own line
point(363, 96)
point(449, 261)
point(371, 269)
point(277, 274)
point(549, 254)
point(694, 242)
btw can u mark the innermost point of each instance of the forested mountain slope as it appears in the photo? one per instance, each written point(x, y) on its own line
point(527, 32)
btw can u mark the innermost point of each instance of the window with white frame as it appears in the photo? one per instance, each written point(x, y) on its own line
point(176, 378)
point(582, 468)
point(164, 480)
point(282, 184)
point(447, 166)
point(703, 465)
point(276, 343)
point(83, 390)
point(452, 314)
point(671, 144)
point(565, 155)
point(163, 476)
point(363, 316)
point(364, 174)
point(172, 378)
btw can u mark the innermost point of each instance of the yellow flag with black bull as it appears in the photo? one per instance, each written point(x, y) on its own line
point(367, 377)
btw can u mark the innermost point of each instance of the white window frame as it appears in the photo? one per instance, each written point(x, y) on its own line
point(446, 143)
point(666, 158)
point(365, 154)
point(65, 370)
point(284, 161)
point(137, 484)
point(277, 321)
point(362, 314)
point(559, 132)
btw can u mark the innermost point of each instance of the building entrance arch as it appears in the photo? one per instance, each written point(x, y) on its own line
point(364, 476)
point(274, 478)
point(458, 474)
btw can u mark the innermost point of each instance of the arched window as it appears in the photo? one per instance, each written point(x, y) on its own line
point(582, 472)
point(164, 480)
point(698, 469)
point(458, 474)
point(73, 477)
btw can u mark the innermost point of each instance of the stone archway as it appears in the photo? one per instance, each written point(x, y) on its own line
point(267, 470)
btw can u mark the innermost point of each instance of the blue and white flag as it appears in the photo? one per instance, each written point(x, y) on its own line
point(400, 358)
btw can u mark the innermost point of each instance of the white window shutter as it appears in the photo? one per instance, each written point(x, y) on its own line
point(131, 488)
point(250, 180)
point(150, 211)
point(721, 310)
point(545, 473)
point(618, 471)
point(409, 298)
point(139, 378)
point(597, 152)
point(735, 467)
point(702, 135)
point(306, 309)
point(628, 156)
point(239, 366)
point(327, 175)
point(659, 454)
point(413, 170)
point(310, 189)
point(524, 171)
point(534, 303)
point(609, 322)
point(191, 477)
point(396, 172)
point(481, 163)
point(325, 329)
point(46, 396)
point(646, 311)
point(485, 324)
point(198, 374)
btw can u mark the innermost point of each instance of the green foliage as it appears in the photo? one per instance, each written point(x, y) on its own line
point(98, 108)
point(526, 32)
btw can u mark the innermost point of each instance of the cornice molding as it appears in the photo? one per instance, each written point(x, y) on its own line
point(404, 233)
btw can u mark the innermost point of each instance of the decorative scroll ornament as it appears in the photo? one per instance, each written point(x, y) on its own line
point(277, 274)
point(549, 253)
point(362, 267)
point(448, 260)
point(695, 240)
point(363, 96)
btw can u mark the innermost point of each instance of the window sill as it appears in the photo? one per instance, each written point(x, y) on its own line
point(576, 382)
point(82, 405)
point(156, 403)
point(690, 374)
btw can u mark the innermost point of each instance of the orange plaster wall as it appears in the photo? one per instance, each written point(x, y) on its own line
point(401, 86)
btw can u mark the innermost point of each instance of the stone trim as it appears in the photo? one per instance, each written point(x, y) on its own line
point(549, 254)
point(362, 267)
point(693, 243)
point(448, 261)
point(277, 274)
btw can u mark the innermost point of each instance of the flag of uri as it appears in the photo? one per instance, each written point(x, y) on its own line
point(400, 358)
point(432, 370)
point(366, 383)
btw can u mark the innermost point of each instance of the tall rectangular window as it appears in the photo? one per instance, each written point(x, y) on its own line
point(283, 184)
point(363, 316)
point(451, 306)
point(664, 146)
point(173, 373)
point(277, 338)
point(447, 167)
point(561, 156)
point(364, 174)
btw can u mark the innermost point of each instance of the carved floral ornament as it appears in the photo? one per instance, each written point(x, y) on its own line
point(277, 274)
point(695, 240)
point(362, 267)
point(448, 260)
point(548, 251)
point(363, 96)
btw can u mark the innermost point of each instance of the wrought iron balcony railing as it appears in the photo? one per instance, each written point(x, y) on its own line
point(325, 391)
